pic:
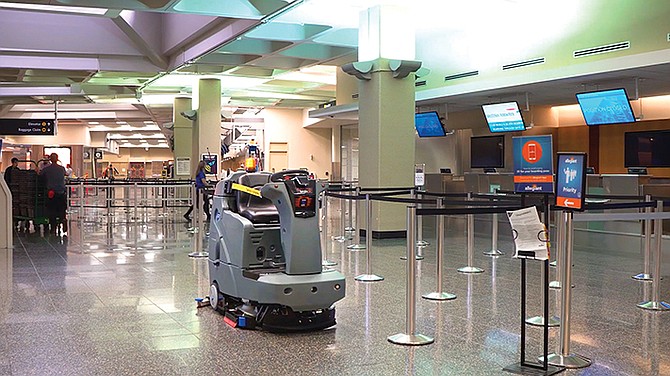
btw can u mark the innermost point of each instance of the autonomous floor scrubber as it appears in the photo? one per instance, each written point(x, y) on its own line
point(265, 254)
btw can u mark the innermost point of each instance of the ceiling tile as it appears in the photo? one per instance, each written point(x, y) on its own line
point(287, 31)
point(316, 51)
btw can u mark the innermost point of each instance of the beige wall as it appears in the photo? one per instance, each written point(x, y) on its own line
point(309, 148)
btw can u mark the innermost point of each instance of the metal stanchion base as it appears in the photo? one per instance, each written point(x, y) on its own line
point(422, 243)
point(568, 361)
point(554, 321)
point(410, 339)
point(494, 253)
point(470, 269)
point(642, 277)
point(439, 296)
point(521, 369)
point(200, 254)
point(417, 257)
point(328, 263)
point(369, 278)
point(356, 247)
point(553, 264)
point(556, 285)
point(654, 306)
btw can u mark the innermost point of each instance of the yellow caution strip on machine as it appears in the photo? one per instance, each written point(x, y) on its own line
point(245, 189)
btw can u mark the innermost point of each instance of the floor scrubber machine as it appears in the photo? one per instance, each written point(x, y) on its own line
point(265, 254)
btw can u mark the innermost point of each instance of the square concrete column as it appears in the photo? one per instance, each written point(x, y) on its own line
point(183, 134)
point(386, 109)
point(207, 126)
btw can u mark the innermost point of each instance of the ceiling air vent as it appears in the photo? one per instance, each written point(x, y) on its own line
point(521, 64)
point(461, 75)
point(420, 83)
point(602, 49)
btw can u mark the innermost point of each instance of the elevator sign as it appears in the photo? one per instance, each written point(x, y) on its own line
point(27, 127)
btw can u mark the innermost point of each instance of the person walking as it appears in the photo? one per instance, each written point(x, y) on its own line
point(200, 185)
point(54, 179)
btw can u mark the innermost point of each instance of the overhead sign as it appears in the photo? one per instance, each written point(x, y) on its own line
point(211, 163)
point(97, 154)
point(533, 164)
point(27, 127)
point(571, 180)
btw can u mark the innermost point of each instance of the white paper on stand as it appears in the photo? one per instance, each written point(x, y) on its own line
point(530, 235)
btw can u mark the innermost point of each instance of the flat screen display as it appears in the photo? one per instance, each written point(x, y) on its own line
point(571, 180)
point(647, 149)
point(606, 107)
point(486, 152)
point(428, 124)
point(503, 117)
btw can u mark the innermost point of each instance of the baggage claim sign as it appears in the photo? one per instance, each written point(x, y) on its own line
point(27, 127)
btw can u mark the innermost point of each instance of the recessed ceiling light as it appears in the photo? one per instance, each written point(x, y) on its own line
point(55, 8)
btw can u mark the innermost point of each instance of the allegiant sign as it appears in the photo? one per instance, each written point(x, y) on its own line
point(27, 127)
point(533, 164)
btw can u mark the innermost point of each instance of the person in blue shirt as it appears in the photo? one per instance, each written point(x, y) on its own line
point(200, 185)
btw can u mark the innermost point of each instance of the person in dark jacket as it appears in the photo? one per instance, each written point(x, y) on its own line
point(8, 172)
point(54, 179)
point(200, 185)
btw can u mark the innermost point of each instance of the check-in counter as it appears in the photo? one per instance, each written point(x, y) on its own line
point(487, 183)
point(447, 183)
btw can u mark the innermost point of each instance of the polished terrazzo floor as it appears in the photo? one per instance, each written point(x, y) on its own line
point(117, 298)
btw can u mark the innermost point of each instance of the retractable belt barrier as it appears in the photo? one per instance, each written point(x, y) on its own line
point(127, 194)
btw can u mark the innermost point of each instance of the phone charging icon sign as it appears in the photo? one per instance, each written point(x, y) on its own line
point(532, 152)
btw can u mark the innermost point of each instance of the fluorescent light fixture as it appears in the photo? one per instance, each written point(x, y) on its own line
point(94, 122)
point(191, 80)
point(122, 122)
point(55, 8)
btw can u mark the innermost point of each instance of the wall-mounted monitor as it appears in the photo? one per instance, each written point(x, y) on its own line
point(647, 149)
point(503, 117)
point(487, 152)
point(428, 124)
point(606, 107)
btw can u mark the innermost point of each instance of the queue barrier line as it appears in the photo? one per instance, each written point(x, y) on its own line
point(383, 189)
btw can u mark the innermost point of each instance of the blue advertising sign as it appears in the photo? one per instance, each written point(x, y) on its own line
point(571, 180)
point(533, 164)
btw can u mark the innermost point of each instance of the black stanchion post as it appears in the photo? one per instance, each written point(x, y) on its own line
point(544, 281)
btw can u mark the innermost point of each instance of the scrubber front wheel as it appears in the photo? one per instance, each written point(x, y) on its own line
point(215, 297)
